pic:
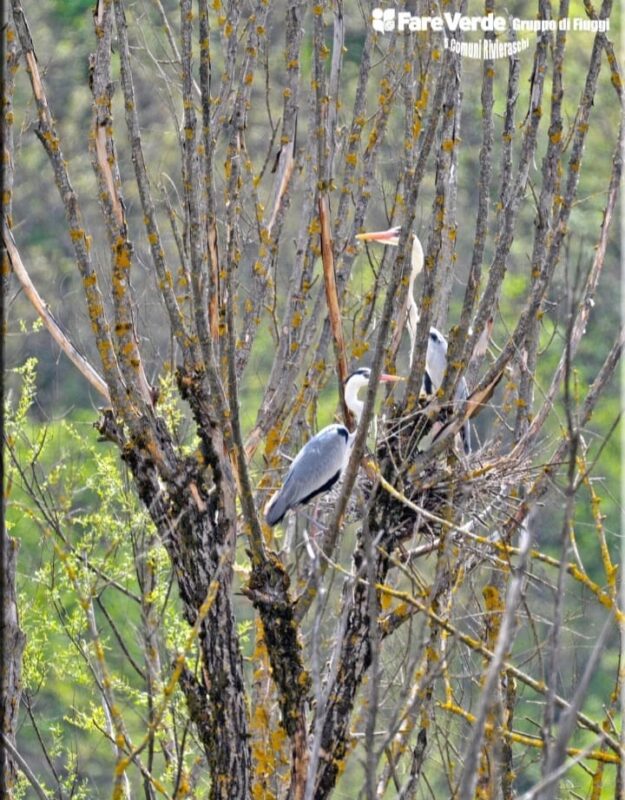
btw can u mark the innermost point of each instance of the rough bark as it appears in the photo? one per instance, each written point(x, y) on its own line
point(12, 641)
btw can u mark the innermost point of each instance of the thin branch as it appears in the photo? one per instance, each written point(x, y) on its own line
point(23, 765)
point(53, 327)
point(81, 241)
point(508, 625)
point(334, 311)
point(105, 165)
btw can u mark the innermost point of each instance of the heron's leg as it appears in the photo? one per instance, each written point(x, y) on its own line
point(311, 541)
point(314, 526)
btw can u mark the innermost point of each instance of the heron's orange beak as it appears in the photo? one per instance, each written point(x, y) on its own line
point(391, 236)
point(385, 378)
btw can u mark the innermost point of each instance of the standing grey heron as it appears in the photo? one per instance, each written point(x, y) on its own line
point(436, 354)
point(435, 368)
point(320, 463)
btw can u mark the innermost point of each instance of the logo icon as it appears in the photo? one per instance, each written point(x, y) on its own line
point(383, 19)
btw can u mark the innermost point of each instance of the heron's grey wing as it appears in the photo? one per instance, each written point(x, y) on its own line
point(316, 468)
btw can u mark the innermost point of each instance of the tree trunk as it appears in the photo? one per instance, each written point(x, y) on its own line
point(12, 642)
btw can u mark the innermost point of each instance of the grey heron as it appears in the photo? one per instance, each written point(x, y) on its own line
point(436, 354)
point(322, 460)
point(435, 368)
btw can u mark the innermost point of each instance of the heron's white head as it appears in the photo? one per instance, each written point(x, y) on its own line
point(436, 358)
point(356, 381)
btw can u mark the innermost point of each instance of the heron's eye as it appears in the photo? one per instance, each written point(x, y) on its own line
point(433, 337)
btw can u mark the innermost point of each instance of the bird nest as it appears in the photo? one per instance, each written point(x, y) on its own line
point(412, 491)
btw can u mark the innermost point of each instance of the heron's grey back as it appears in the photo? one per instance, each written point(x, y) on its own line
point(316, 468)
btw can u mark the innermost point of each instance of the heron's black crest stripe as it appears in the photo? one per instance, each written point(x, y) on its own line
point(364, 371)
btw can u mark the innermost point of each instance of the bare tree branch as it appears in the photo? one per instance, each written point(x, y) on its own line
point(52, 325)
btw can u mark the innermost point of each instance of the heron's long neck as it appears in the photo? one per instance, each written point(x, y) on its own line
point(352, 402)
point(416, 262)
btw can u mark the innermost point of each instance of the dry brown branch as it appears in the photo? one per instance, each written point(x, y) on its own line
point(24, 767)
point(334, 311)
point(81, 241)
point(53, 327)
